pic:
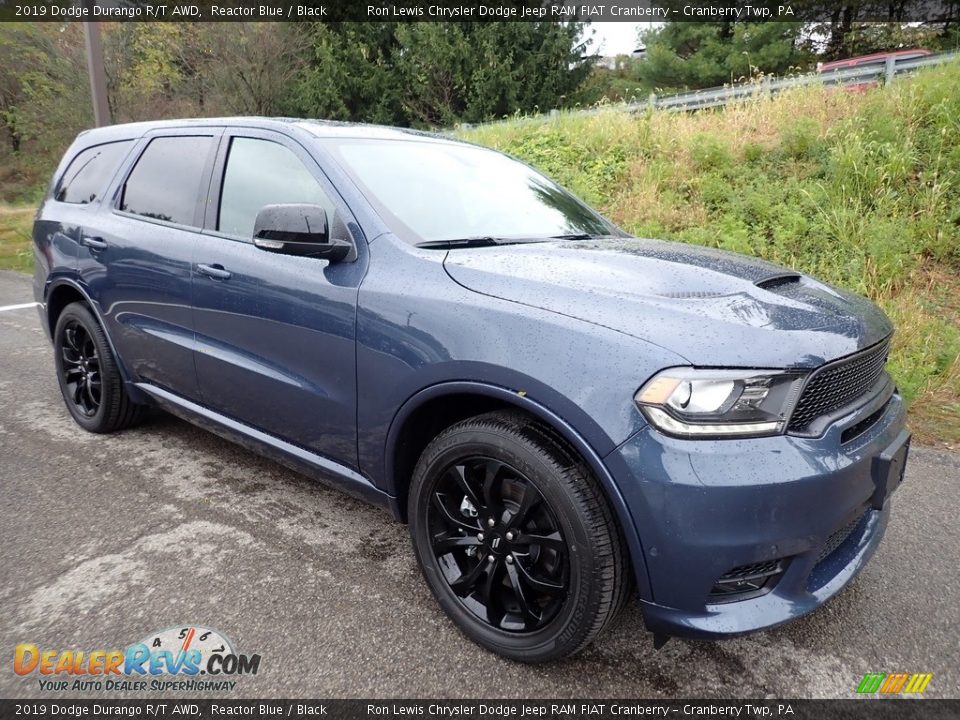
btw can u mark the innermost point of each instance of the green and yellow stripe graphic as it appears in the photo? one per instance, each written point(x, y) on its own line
point(892, 683)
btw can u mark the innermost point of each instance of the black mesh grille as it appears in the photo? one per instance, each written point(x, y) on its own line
point(768, 567)
point(839, 538)
point(746, 581)
point(838, 384)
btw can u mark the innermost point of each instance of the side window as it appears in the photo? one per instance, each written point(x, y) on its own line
point(89, 172)
point(165, 184)
point(260, 173)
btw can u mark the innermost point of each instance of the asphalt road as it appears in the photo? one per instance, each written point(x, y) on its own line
point(106, 539)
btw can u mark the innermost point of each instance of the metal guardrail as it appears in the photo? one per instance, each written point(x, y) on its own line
point(719, 96)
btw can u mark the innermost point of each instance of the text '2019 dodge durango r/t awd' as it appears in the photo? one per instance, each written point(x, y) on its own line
point(560, 412)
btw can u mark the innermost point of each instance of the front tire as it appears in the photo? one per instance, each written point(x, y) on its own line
point(87, 371)
point(516, 539)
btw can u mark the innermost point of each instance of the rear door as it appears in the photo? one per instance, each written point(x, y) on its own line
point(138, 259)
point(276, 334)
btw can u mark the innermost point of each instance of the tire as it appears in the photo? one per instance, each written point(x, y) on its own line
point(550, 572)
point(87, 372)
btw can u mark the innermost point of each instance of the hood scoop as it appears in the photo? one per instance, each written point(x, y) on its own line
point(779, 281)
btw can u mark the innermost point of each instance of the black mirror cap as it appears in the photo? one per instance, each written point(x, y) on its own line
point(299, 229)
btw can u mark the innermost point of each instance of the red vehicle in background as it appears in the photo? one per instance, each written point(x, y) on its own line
point(876, 59)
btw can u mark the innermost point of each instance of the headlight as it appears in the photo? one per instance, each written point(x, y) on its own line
point(692, 402)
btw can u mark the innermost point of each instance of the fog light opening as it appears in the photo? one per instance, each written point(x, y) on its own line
point(747, 581)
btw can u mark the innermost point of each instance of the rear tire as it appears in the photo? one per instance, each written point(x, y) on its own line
point(515, 538)
point(87, 371)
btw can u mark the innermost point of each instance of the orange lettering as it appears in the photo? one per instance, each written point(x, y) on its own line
point(64, 663)
point(46, 661)
point(113, 661)
point(25, 658)
point(96, 662)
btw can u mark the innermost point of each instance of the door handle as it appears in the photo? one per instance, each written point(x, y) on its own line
point(214, 271)
point(94, 243)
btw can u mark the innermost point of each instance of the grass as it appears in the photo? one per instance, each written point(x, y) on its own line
point(859, 189)
point(15, 244)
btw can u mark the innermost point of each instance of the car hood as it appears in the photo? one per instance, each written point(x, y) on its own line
point(711, 307)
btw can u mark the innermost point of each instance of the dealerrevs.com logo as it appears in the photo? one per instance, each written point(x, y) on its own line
point(189, 658)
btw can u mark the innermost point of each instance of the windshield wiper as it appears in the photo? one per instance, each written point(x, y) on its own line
point(470, 242)
point(490, 241)
point(577, 236)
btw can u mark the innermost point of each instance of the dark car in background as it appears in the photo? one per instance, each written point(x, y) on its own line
point(562, 413)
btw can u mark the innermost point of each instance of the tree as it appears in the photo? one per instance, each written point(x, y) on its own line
point(157, 70)
point(698, 55)
point(430, 74)
point(524, 67)
point(350, 74)
point(857, 27)
point(249, 69)
point(43, 87)
point(145, 70)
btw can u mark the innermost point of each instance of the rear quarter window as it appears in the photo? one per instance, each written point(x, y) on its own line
point(167, 181)
point(87, 176)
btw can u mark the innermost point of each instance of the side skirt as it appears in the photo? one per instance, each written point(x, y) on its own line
point(310, 464)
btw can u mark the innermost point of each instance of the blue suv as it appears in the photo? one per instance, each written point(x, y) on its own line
point(562, 413)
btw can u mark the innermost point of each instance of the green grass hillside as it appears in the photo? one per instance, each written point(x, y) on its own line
point(859, 189)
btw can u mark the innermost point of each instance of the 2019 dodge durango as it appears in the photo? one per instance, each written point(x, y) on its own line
point(565, 415)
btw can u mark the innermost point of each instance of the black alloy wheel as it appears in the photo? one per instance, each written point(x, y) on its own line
point(81, 369)
point(515, 538)
point(498, 544)
point(89, 379)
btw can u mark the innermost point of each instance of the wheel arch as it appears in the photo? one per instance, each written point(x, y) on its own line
point(433, 409)
point(59, 294)
point(64, 291)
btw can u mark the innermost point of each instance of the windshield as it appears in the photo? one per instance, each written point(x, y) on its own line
point(430, 192)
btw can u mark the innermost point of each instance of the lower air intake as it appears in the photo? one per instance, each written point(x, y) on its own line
point(839, 537)
point(746, 581)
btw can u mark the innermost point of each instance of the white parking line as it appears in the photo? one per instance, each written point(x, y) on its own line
point(17, 307)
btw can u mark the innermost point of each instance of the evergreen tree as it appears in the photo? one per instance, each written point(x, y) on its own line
point(429, 74)
point(707, 54)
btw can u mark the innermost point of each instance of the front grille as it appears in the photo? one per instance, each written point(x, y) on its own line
point(746, 581)
point(837, 384)
point(839, 537)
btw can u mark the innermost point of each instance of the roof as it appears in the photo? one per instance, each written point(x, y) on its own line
point(318, 128)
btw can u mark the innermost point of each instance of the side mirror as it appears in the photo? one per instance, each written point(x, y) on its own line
point(298, 229)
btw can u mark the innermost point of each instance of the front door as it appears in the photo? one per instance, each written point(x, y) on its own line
point(276, 334)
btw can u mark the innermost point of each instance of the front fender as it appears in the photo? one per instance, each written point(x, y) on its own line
point(519, 398)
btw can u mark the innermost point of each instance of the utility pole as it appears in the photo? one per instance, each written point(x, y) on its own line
point(98, 75)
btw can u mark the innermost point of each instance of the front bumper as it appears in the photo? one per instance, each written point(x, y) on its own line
point(702, 508)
